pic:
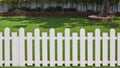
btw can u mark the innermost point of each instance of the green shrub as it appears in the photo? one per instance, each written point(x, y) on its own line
point(70, 9)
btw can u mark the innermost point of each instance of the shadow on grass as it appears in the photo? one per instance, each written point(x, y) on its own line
point(19, 26)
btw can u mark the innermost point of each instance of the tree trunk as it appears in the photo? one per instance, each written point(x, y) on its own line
point(105, 8)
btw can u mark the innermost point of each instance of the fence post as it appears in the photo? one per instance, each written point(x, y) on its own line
point(37, 47)
point(112, 47)
point(7, 46)
point(44, 50)
point(97, 47)
point(15, 50)
point(75, 49)
point(82, 47)
point(29, 49)
point(52, 47)
point(1, 49)
point(118, 50)
point(90, 49)
point(105, 49)
point(21, 47)
point(67, 47)
point(59, 49)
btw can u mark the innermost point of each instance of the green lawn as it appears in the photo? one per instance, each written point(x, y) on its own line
point(59, 23)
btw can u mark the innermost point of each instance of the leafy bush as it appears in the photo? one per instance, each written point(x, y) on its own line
point(58, 8)
point(49, 9)
point(70, 9)
point(39, 9)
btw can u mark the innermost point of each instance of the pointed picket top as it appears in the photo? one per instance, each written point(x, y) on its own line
point(82, 32)
point(97, 32)
point(7, 30)
point(37, 29)
point(21, 30)
point(67, 32)
point(82, 29)
point(112, 32)
point(52, 31)
point(37, 32)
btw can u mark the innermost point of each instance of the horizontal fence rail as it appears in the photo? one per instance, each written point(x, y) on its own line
point(44, 49)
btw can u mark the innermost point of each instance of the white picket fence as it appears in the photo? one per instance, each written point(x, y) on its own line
point(16, 44)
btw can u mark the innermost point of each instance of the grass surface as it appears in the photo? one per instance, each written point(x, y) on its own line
point(59, 23)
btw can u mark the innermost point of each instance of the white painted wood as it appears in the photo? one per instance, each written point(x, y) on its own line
point(44, 49)
point(7, 46)
point(52, 47)
point(90, 49)
point(29, 49)
point(59, 49)
point(105, 49)
point(37, 46)
point(18, 48)
point(75, 49)
point(112, 47)
point(15, 50)
point(1, 49)
point(21, 47)
point(82, 47)
point(97, 47)
point(67, 47)
point(118, 50)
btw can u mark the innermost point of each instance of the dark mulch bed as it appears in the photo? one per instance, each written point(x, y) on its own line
point(22, 13)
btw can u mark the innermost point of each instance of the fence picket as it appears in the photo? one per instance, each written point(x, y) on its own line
point(105, 49)
point(15, 50)
point(44, 49)
point(37, 47)
point(118, 50)
point(90, 49)
point(21, 47)
point(7, 46)
point(75, 50)
point(97, 47)
point(82, 47)
point(52, 47)
point(112, 47)
point(29, 48)
point(1, 49)
point(67, 47)
point(59, 49)
point(18, 48)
